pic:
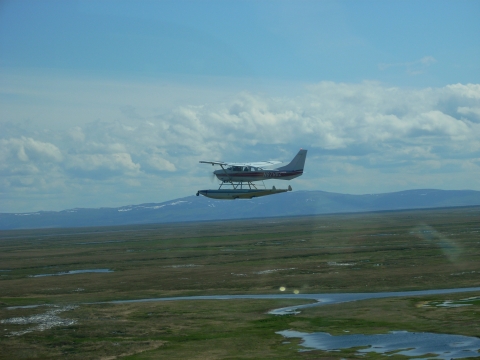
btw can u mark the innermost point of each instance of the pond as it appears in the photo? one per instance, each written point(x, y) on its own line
point(399, 342)
point(72, 272)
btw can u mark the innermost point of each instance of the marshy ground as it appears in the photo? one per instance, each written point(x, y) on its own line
point(390, 251)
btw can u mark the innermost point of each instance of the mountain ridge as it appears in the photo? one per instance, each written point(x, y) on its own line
point(193, 208)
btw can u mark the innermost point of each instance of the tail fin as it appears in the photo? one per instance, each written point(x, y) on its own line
point(297, 163)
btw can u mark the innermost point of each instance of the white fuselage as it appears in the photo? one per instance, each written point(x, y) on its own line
point(250, 174)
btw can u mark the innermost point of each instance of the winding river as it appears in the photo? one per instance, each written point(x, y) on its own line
point(321, 299)
point(445, 346)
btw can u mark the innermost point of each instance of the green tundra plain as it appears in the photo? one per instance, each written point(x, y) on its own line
point(371, 252)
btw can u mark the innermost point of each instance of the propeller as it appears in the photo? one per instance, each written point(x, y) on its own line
point(212, 177)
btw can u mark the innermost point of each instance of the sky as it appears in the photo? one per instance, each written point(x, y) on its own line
point(107, 103)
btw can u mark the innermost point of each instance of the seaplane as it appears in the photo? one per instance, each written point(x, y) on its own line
point(237, 179)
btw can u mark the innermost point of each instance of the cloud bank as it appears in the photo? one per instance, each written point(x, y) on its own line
point(362, 138)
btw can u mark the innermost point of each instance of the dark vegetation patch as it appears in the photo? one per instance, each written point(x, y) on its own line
point(343, 253)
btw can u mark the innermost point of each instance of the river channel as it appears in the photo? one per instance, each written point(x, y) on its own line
point(321, 299)
point(445, 346)
point(418, 345)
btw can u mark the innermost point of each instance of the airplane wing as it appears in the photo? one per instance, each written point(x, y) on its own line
point(259, 164)
point(214, 162)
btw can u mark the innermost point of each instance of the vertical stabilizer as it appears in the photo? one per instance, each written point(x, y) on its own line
point(298, 162)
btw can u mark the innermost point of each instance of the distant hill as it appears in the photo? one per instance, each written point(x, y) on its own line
point(193, 208)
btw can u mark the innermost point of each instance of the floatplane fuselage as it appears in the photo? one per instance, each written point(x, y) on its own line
point(251, 174)
point(239, 178)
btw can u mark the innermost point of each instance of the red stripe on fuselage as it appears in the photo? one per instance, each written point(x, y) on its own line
point(262, 175)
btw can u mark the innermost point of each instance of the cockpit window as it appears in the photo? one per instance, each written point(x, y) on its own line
point(243, 168)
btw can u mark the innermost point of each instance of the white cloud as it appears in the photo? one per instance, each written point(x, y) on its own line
point(465, 110)
point(26, 149)
point(76, 134)
point(333, 116)
point(161, 164)
point(113, 162)
point(362, 138)
point(412, 67)
point(437, 123)
point(471, 91)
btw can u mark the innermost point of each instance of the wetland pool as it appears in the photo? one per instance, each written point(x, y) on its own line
point(444, 346)
point(73, 272)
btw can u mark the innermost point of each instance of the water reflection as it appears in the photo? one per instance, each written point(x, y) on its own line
point(319, 299)
point(401, 342)
point(72, 272)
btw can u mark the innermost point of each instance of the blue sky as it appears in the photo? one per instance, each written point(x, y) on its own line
point(108, 103)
